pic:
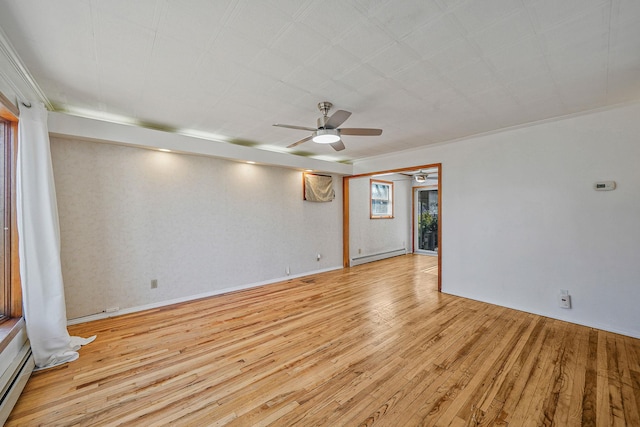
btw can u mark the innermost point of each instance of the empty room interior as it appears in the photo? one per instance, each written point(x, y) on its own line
point(331, 213)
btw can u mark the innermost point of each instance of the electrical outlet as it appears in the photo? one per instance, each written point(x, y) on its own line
point(154, 283)
point(564, 301)
point(288, 271)
point(318, 256)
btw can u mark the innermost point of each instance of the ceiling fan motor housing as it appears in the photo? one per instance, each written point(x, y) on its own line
point(324, 108)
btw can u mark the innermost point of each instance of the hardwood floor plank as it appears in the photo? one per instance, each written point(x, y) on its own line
point(590, 396)
point(569, 406)
point(631, 379)
point(481, 398)
point(427, 408)
point(435, 362)
point(373, 345)
point(545, 395)
point(511, 389)
point(475, 383)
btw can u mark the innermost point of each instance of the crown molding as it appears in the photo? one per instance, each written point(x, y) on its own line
point(26, 88)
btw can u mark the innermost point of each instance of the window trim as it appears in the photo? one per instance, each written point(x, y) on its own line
point(13, 290)
point(389, 214)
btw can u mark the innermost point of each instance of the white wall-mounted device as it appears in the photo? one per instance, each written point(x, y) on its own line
point(564, 301)
point(604, 185)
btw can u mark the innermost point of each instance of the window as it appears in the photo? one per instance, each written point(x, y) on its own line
point(381, 199)
point(10, 293)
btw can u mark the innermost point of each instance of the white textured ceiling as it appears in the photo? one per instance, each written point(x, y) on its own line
point(425, 71)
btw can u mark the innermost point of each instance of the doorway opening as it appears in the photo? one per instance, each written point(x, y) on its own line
point(428, 176)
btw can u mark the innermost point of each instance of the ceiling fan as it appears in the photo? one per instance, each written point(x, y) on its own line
point(423, 176)
point(327, 131)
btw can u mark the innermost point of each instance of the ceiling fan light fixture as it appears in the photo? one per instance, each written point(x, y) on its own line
point(420, 178)
point(326, 136)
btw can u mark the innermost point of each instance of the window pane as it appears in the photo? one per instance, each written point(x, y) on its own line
point(381, 199)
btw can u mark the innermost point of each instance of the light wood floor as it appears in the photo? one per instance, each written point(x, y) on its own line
point(371, 345)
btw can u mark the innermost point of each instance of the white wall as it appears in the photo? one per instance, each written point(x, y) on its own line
point(521, 221)
point(196, 224)
point(373, 236)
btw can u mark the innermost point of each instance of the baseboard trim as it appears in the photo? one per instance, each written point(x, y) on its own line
point(104, 315)
point(377, 257)
point(595, 325)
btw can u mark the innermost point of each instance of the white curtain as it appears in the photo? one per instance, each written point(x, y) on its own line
point(39, 244)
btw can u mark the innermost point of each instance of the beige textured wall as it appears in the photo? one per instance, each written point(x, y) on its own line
point(196, 224)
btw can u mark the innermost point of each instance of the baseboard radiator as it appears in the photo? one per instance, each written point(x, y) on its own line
point(377, 257)
point(14, 379)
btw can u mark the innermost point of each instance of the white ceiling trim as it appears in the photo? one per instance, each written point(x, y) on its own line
point(29, 85)
point(65, 125)
point(505, 129)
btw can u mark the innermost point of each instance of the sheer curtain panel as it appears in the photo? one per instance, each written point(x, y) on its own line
point(39, 244)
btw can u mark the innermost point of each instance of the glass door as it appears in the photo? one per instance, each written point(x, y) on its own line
point(426, 221)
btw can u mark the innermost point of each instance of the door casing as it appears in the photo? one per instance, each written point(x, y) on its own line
point(345, 211)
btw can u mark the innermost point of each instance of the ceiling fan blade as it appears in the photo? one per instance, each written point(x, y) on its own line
point(360, 131)
point(338, 146)
point(295, 127)
point(300, 142)
point(337, 119)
